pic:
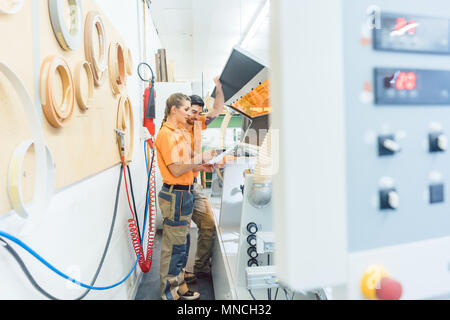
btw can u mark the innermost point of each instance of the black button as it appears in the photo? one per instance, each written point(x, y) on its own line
point(434, 142)
point(436, 193)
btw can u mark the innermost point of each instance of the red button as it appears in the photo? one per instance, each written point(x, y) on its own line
point(389, 289)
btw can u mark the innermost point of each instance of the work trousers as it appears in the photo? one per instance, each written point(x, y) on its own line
point(203, 217)
point(176, 209)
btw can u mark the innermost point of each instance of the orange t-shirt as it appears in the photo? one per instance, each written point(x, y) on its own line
point(172, 146)
point(196, 139)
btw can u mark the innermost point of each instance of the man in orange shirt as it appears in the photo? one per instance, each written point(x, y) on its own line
point(175, 199)
point(203, 215)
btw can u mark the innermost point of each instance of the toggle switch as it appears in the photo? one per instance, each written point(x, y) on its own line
point(389, 199)
point(387, 146)
point(377, 285)
point(438, 142)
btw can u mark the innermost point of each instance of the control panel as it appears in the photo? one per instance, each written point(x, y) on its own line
point(397, 140)
point(373, 173)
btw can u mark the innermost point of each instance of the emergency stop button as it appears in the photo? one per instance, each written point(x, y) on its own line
point(377, 285)
point(389, 289)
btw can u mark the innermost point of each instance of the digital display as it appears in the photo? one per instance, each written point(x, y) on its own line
point(399, 32)
point(412, 87)
point(401, 81)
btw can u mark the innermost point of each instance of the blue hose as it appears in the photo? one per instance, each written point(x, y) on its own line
point(63, 275)
point(48, 265)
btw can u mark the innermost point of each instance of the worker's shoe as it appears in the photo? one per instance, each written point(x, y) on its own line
point(189, 295)
point(189, 277)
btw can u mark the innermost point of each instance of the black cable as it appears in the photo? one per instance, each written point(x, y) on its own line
point(269, 291)
point(287, 295)
point(252, 294)
point(151, 70)
point(30, 277)
point(276, 294)
point(134, 202)
point(25, 270)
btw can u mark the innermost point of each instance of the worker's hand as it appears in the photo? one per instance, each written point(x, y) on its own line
point(208, 155)
point(206, 167)
point(218, 83)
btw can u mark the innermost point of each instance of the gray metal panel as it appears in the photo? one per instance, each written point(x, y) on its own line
point(238, 71)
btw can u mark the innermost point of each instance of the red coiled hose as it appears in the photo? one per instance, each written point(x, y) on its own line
point(135, 239)
point(152, 210)
point(145, 263)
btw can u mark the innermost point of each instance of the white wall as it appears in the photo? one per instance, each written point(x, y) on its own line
point(73, 234)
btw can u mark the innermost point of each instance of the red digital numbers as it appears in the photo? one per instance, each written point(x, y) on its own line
point(406, 81)
point(403, 23)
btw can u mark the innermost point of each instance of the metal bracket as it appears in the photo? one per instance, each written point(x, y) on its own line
point(121, 140)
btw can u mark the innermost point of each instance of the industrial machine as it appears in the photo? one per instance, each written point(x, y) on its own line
point(363, 94)
point(243, 262)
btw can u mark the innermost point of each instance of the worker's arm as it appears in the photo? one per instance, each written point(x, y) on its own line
point(219, 103)
point(195, 164)
point(205, 168)
point(178, 169)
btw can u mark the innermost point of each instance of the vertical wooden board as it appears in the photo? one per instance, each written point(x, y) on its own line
point(158, 67)
point(171, 71)
point(163, 63)
point(16, 40)
point(87, 145)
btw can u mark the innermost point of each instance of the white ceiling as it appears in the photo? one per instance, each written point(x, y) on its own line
point(200, 34)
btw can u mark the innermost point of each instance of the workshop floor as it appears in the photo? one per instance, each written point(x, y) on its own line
point(149, 287)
